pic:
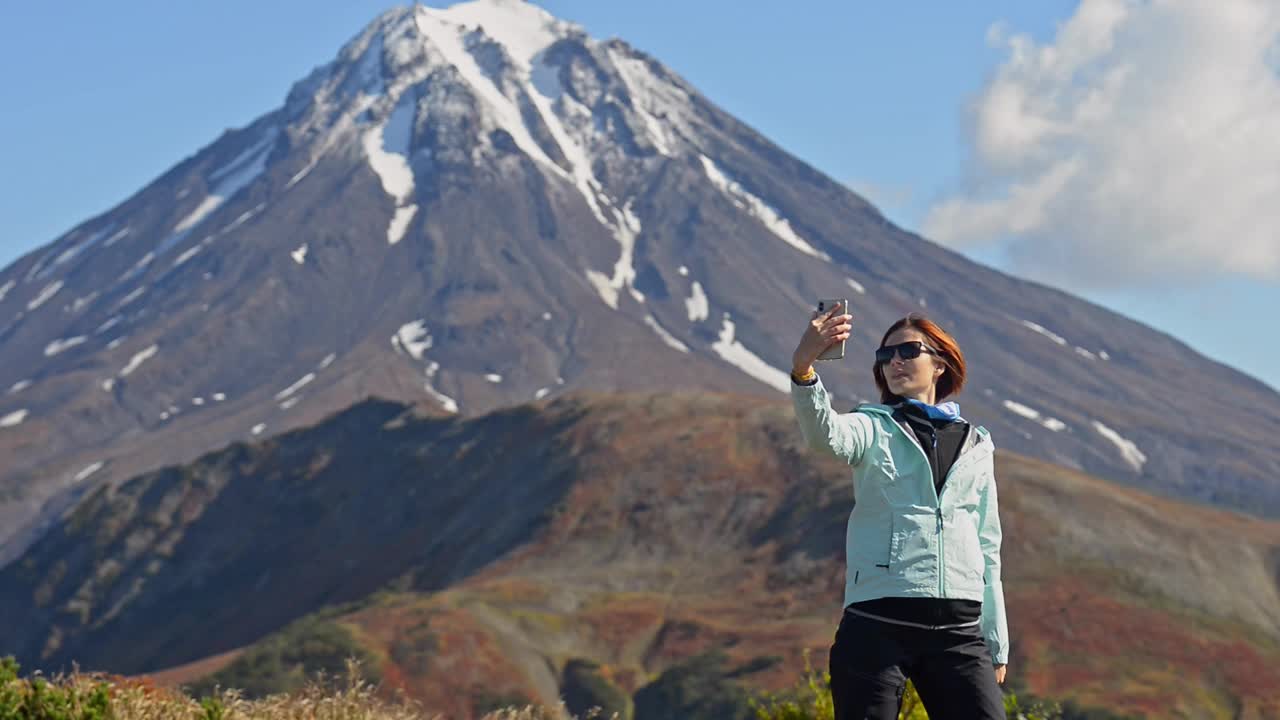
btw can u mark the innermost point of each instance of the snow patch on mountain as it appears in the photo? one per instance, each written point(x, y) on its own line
point(413, 338)
point(137, 268)
point(70, 253)
point(623, 224)
point(189, 253)
point(667, 337)
point(653, 98)
point(758, 209)
point(446, 37)
point(118, 236)
point(80, 302)
point(5, 288)
point(305, 171)
point(1029, 413)
point(296, 386)
point(657, 133)
point(137, 293)
point(110, 323)
point(523, 28)
point(737, 354)
point(1047, 333)
point(400, 223)
point(626, 227)
point(697, 304)
point(18, 387)
point(136, 361)
point(228, 180)
point(449, 404)
point(300, 255)
point(243, 218)
point(88, 471)
point(387, 147)
point(61, 345)
point(1128, 449)
point(523, 31)
point(13, 419)
point(47, 292)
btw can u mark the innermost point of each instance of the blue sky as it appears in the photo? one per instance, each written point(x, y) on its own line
point(905, 102)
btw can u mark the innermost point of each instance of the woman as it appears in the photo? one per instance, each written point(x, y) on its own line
point(922, 589)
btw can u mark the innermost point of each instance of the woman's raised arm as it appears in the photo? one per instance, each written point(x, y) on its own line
point(844, 435)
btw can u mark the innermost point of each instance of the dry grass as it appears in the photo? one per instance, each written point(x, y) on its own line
point(141, 699)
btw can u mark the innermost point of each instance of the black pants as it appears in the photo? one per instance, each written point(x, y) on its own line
point(951, 668)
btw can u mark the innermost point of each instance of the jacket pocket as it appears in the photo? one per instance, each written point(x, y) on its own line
point(914, 549)
point(891, 551)
point(868, 548)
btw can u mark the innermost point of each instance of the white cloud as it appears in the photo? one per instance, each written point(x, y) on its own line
point(1140, 144)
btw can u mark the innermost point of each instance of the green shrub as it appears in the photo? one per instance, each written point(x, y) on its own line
point(584, 688)
point(695, 689)
point(810, 699)
point(290, 659)
point(39, 699)
point(414, 649)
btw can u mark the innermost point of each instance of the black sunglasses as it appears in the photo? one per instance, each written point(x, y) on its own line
point(909, 350)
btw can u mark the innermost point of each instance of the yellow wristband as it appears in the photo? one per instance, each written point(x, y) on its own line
point(802, 379)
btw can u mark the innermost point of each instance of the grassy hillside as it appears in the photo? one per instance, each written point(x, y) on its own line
point(692, 690)
point(589, 546)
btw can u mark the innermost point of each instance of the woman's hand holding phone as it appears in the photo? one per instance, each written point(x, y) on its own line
point(825, 329)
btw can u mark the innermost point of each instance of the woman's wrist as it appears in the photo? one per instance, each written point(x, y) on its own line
point(805, 376)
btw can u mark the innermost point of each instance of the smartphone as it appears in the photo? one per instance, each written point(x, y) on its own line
point(835, 352)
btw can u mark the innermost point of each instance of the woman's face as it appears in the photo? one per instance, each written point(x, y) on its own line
point(912, 378)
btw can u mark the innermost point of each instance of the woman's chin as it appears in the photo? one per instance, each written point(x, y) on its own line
point(902, 390)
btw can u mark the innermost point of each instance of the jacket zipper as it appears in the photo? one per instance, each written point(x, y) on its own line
point(942, 545)
point(938, 495)
point(942, 563)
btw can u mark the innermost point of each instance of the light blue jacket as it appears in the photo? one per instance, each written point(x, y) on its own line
point(903, 540)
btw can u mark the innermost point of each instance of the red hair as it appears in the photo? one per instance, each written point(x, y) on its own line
point(952, 379)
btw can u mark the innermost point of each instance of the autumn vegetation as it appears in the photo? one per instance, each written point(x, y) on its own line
point(348, 696)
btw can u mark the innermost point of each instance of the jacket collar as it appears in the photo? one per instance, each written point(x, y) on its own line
point(976, 437)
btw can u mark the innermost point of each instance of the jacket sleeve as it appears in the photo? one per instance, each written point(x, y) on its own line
point(844, 435)
point(995, 626)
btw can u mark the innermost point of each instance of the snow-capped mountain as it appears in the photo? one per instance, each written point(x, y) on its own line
point(482, 206)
